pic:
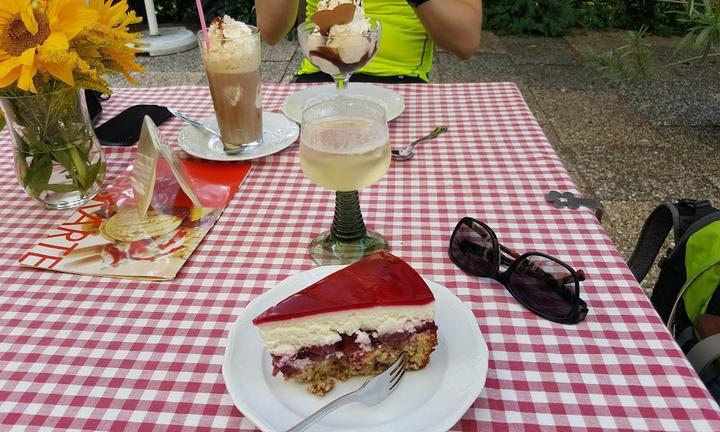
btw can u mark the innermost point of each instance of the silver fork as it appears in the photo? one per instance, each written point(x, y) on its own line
point(372, 392)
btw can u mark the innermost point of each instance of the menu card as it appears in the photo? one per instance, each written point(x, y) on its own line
point(148, 220)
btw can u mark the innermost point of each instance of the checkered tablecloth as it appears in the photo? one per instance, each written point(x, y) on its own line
point(89, 353)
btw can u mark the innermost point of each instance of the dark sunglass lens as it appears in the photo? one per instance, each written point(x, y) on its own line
point(545, 285)
point(472, 249)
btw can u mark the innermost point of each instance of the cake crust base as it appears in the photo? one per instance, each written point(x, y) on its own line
point(322, 375)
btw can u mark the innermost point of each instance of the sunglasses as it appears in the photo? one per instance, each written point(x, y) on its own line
point(542, 283)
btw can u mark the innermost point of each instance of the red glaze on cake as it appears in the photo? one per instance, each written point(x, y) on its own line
point(378, 280)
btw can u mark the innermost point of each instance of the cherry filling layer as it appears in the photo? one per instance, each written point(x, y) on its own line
point(348, 347)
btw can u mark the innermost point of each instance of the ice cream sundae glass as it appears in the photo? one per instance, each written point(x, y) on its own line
point(339, 39)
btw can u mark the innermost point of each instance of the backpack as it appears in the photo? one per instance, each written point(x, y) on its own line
point(689, 282)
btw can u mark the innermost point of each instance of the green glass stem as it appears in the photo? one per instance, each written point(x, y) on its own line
point(348, 224)
point(341, 81)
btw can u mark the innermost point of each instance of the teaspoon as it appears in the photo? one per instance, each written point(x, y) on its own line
point(407, 153)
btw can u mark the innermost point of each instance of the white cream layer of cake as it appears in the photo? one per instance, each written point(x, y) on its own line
point(285, 338)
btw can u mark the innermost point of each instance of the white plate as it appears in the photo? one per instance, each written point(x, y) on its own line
point(278, 134)
point(432, 399)
point(295, 103)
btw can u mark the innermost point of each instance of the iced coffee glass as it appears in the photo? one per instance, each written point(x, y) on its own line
point(232, 65)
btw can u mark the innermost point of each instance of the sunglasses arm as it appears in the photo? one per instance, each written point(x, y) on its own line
point(579, 274)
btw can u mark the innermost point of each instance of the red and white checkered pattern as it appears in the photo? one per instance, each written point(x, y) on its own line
point(89, 353)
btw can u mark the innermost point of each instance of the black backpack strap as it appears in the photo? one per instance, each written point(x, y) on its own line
point(652, 236)
point(701, 208)
point(679, 217)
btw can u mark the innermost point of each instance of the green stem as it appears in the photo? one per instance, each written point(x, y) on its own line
point(47, 123)
point(78, 163)
point(341, 81)
point(348, 224)
point(691, 59)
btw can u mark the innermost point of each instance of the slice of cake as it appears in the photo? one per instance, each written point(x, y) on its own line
point(355, 321)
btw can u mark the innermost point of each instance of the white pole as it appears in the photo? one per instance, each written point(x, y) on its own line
point(151, 18)
point(172, 39)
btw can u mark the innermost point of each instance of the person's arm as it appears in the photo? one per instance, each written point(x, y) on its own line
point(275, 18)
point(453, 24)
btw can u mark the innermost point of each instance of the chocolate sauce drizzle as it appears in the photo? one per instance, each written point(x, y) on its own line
point(333, 56)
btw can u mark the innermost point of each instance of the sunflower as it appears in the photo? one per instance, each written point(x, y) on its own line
point(120, 45)
point(113, 15)
point(29, 27)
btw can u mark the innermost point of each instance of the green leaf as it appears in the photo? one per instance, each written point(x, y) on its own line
point(64, 158)
point(702, 36)
point(38, 173)
point(91, 174)
point(683, 43)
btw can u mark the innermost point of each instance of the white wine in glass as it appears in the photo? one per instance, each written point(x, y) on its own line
point(344, 146)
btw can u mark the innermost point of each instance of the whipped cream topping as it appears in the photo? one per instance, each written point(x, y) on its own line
point(233, 46)
point(357, 26)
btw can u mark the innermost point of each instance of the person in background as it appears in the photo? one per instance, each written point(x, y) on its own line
point(410, 30)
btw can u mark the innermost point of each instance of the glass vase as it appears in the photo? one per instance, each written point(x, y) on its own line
point(58, 158)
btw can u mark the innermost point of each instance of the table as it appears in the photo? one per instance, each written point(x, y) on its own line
point(87, 353)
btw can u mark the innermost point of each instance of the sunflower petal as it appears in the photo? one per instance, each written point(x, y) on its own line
point(27, 15)
point(10, 8)
point(63, 72)
point(10, 77)
point(70, 17)
point(56, 41)
point(27, 58)
point(25, 82)
point(8, 65)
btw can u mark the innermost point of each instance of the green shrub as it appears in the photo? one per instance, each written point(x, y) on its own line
point(631, 61)
point(600, 14)
point(657, 16)
point(627, 63)
point(555, 17)
point(184, 11)
point(544, 17)
point(703, 20)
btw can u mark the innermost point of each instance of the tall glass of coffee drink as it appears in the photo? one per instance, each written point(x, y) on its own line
point(231, 56)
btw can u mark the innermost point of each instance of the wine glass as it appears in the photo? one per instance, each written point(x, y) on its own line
point(344, 146)
point(339, 55)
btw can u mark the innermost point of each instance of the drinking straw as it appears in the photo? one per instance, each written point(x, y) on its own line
point(202, 23)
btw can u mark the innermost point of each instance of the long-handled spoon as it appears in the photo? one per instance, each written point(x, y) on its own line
point(193, 122)
point(408, 153)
